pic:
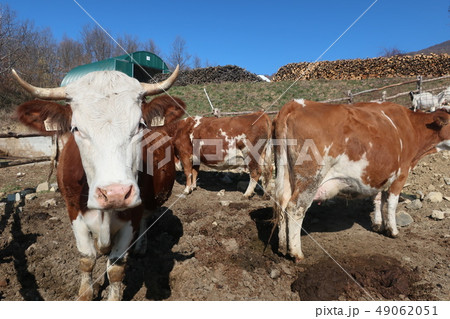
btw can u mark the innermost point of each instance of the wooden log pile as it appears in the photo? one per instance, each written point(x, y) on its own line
point(217, 74)
point(432, 65)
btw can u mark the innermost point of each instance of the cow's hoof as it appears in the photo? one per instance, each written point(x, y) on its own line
point(247, 196)
point(86, 293)
point(298, 259)
point(392, 233)
point(378, 228)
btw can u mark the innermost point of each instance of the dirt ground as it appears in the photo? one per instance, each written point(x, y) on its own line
point(211, 247)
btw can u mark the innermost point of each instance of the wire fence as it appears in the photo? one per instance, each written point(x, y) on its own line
point(350, 97)
point(419, 81)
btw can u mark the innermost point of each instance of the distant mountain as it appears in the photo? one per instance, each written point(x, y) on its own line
point(443, 47)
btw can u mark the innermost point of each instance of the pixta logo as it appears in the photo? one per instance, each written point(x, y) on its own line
point(158, 151)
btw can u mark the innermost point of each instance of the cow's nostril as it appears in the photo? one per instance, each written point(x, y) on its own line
point(102, 194)
point(128, 194)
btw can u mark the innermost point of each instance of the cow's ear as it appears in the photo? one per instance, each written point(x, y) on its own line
point(34, 113)
point(439, 121)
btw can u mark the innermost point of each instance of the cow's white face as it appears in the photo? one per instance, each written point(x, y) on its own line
point(106, 123)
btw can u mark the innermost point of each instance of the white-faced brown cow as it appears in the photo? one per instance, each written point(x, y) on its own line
point(324, 150)
point(225, 143)
point(100, 163)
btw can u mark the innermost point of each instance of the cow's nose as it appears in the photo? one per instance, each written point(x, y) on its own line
point(115, 195)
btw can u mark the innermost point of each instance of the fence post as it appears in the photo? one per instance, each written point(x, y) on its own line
point(419, 83)
point(350, 96)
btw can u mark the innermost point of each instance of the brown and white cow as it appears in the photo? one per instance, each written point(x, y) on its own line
point(224, 143)
point(99, 166)
point(324, 150)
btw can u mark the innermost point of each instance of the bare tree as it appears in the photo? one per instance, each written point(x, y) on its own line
point(71, 54)
point(207, 64)
point(127, 44)
point(151, 46)
point(197, 63)
point(31, 51)
point(389, 52)
point(97, 44)
point(13, 35)
point(42, 61)
point(179, 54)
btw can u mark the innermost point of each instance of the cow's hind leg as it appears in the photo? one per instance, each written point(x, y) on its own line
point(377, 220)
point(390, 223)
point(294, 220)
point(299, 203)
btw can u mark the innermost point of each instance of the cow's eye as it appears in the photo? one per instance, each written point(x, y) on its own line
point(73, 129)
point(142, 125)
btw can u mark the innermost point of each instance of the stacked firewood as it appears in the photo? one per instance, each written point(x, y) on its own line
point(218, 74)
point(397, 66)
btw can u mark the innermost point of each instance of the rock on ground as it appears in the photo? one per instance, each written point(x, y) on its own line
point(43, 187)
point(437, 215)
point(434, 197)
point(403, 219)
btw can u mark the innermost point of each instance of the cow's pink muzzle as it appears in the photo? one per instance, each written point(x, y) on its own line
point(115, 196)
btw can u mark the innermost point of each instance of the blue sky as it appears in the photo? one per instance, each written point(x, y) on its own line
point(260, 36)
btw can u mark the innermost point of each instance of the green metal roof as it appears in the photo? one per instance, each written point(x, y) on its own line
point(138, 64)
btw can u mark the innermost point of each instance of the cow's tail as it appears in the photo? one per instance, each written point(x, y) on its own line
point(283, 190)
point(278, 144)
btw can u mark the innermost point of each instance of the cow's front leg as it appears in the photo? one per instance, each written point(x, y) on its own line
point(195, 170)
point(86, 291)
point(117, 261)
point(141, 244)
point(389, 222)
point(187, 167)
point(265, 164)
point(255, 174)
point(85, 245)
point(116, 273)
point(250, 188)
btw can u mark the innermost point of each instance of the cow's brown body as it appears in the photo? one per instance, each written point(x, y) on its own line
point(224, 143)
point(324, 150)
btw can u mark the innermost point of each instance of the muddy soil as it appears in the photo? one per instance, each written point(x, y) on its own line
point(211, 246)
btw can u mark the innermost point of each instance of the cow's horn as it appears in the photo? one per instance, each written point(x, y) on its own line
point(156, 88)
point(58, 93)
